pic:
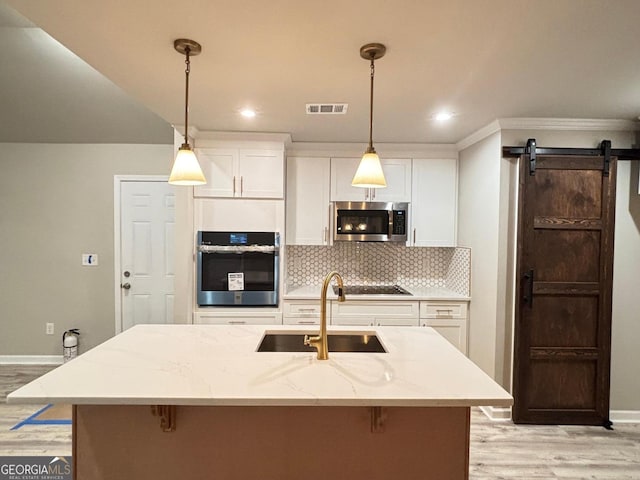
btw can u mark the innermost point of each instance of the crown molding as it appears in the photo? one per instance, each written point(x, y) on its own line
point(478, 135)
point(385, 150)
point(573, 124)
point(284, 138)
point(558, 124)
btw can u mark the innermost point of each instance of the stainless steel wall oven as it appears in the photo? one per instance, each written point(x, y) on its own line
point(238, 268)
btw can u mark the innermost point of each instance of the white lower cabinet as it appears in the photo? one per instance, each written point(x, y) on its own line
point(235, 317)
point(375, 313)
point(305, 312)
point(449, 319)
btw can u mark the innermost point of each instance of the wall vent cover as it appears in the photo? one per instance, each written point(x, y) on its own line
point(327, 108)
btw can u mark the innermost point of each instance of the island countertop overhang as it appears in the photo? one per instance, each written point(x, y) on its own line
point(209, 365)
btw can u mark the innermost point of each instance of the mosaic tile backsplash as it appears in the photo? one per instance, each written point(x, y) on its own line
point(380, 263)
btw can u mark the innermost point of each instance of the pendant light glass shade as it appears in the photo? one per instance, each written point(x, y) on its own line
point(369, 173)
point(186, 169)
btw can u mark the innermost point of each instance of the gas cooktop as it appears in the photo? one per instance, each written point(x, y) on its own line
point(372, 290)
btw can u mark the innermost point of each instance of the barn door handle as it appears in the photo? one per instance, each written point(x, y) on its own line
point(528, 298)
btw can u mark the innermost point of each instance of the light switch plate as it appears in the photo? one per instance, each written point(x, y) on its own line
point(90, 259)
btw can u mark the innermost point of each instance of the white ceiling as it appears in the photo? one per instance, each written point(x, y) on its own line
point(482, 59)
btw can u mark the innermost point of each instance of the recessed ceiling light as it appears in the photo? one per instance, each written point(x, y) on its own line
point(248, 113)
point(443, 116)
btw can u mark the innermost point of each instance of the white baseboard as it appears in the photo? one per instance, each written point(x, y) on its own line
point(624, 416)
point(501, 414)
point(497, 414)
point(31, 359)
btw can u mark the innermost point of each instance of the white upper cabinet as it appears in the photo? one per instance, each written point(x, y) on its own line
point(397, 172)
point(241, 173)
point(307, 202)
point(434, 204)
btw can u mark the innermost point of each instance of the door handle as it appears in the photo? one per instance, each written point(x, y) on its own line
point(414, 236)
point(528, 298)
point(241, 185)
point(126, 286)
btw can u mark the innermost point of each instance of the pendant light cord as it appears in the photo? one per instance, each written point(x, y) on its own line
point(186, 95)
point(371, 149)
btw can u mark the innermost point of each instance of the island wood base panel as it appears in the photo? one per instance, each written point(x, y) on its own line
point(271, 443)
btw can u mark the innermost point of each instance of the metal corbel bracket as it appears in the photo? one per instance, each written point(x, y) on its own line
point(531, 151)
point(605, 146)
point(167, 414)
point(378, 418)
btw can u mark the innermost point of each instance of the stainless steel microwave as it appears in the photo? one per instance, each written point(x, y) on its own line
point(370, 221)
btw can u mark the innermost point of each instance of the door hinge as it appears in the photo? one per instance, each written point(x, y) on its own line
point(530, 150)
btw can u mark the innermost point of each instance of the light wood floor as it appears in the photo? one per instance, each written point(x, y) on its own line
point(499, 450)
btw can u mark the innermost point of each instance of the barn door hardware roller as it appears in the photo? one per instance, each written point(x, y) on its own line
point(530, 150)
point(605, 146)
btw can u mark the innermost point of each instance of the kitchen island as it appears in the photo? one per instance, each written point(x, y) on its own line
point(231, 412)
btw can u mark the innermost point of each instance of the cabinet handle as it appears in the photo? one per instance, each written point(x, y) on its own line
point(307, 310)
point(241, 184)
point(306, 322)
point(234, 185)
point(326, 235)
point(373, 194)
point(366, 194)
point(414, 236)
point(448, 312)
point(237, 322)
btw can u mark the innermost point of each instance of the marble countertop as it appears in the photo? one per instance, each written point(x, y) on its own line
point(219, 365)
point(312, 292)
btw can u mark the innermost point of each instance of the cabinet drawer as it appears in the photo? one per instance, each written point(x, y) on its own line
point(302, 309)
point(374, 309)
point(237, 319)
point(301, 321)
point(434, 309)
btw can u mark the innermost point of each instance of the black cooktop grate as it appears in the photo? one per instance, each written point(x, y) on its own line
point(372, 290)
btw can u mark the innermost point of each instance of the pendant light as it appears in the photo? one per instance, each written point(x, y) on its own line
point(186, 169)
point(369, 173)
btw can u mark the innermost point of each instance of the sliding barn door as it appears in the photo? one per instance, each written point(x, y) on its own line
point(563, 312)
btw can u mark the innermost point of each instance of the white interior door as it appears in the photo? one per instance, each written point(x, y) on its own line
point(147, 220)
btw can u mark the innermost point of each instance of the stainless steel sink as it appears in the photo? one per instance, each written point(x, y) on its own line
point(338, 342)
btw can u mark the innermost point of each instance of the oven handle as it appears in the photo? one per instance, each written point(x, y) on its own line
point(238, 248)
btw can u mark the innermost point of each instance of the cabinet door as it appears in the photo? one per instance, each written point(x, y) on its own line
point(342, 172)
point(307, 203)
point(261, 174)
point(397, 173)
point(219, 169)
point(454, 330)
point(434, 203)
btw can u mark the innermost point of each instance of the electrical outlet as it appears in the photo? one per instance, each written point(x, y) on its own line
point(50, 330)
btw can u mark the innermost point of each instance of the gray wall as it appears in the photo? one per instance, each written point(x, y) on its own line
point(478, 228)
point(56, 202)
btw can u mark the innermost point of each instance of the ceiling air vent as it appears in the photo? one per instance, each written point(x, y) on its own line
point(326, 108)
